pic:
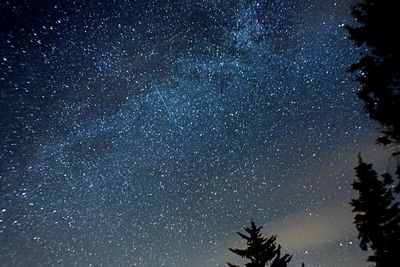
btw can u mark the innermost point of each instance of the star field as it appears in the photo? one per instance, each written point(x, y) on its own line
point(146, 133)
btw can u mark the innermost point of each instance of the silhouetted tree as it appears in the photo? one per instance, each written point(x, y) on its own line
point(378, 71)
point(377, 215)
point(379, 67)
point(260, 251)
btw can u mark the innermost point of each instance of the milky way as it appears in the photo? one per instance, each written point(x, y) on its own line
point(146, 133)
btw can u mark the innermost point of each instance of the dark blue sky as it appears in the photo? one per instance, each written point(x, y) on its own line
point(146, 133)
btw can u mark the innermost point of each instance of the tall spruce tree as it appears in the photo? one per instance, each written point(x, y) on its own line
point(377, 215)
point(260, 251)
point(378, 71)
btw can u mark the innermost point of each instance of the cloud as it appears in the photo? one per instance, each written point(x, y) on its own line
point(309, 230)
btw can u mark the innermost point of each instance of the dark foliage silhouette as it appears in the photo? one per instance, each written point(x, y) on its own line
point(377, 214)
point(260, 251)
point(378, 71)
point(379, 68)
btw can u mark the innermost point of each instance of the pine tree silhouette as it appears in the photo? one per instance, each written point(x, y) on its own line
point(260, 250)
point(379, 68)
point(378, 71)
point(377, 215)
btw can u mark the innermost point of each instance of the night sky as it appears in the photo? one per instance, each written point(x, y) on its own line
point(146, 133)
